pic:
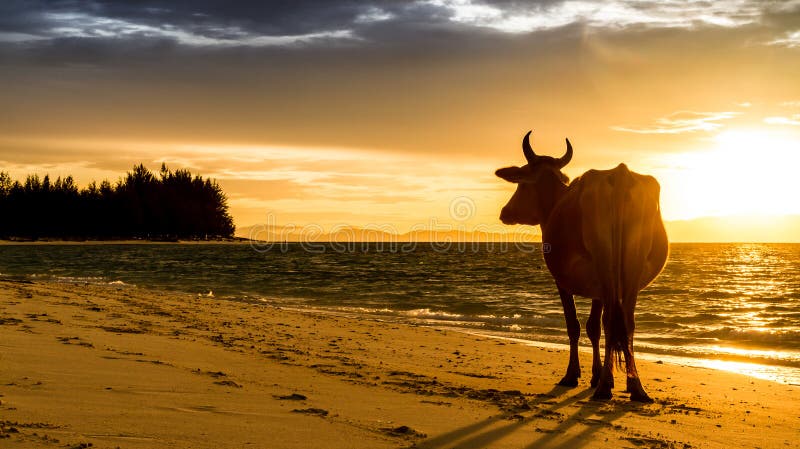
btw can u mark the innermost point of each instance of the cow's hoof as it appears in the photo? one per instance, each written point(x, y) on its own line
point(641, 397)
point(568, 382)
point(637, 392)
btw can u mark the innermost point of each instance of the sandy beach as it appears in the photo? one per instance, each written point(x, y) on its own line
point(117, 366)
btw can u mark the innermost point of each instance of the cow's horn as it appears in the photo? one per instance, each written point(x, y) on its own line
point(530, 156)
point(564, 160)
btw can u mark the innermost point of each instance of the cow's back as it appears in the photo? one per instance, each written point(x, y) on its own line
point(605, 235)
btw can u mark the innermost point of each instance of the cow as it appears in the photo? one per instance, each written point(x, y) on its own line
point(603, 239)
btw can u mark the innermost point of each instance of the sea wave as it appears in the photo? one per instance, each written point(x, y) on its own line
point(90, 280)
point(759, 336)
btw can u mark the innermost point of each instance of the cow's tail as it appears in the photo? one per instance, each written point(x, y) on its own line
point(618, 334)
point(617, 330)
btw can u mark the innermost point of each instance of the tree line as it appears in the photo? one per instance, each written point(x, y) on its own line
point(141, 205)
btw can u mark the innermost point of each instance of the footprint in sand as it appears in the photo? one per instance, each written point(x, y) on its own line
point(311, 411)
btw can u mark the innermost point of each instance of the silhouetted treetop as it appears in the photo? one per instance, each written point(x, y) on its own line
point(141, 205)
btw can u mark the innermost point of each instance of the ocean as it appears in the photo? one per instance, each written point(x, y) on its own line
point(725, 306)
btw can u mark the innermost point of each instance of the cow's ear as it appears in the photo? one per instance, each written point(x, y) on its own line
point(511, 174)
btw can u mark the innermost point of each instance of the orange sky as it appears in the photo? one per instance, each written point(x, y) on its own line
point(394, 113)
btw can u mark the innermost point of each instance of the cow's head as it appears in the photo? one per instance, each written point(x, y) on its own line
point(538, 183)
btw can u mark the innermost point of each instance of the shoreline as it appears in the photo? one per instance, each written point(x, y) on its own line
point(781, 374)
point(131, 367)
point(235, 240)
point(728, 361)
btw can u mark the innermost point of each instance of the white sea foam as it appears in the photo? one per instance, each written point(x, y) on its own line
point(428, 313)
point(91, 280)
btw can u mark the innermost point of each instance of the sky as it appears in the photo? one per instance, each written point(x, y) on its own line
point(398, 113)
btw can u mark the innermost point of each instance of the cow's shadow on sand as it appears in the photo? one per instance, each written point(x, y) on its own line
point(574, 428)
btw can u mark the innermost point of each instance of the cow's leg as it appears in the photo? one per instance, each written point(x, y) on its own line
point(570, 379)
point(632, 375)
point(593, 328)
point(606, 381)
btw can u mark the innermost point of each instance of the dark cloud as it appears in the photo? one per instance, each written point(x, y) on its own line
point(212, 19)
point(113, 33)
point(208, 23)
point(20, 16)
point(220, 35)
point(218, 18)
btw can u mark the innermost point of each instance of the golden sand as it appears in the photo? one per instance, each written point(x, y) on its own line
point(132, 368)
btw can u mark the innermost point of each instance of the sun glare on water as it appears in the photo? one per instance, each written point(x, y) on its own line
point(748, 173)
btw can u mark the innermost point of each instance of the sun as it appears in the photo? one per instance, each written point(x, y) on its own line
point(743, 172)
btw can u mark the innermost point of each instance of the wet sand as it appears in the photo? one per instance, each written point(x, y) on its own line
point(114, 366)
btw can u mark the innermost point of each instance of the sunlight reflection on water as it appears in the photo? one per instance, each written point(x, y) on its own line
point(780, 374)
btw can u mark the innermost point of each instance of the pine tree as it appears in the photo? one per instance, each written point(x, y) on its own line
point(174, 205)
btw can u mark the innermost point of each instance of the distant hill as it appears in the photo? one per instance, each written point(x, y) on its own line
point(783, 229)
point(356, 234)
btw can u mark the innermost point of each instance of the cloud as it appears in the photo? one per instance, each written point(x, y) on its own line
point(270, 23)
point(197, 23)
point(790, 40)
point(516, 18)
point(116, 33)
point(300, 182)
point(683, 122)
point(794, 120)
point(82, 25)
